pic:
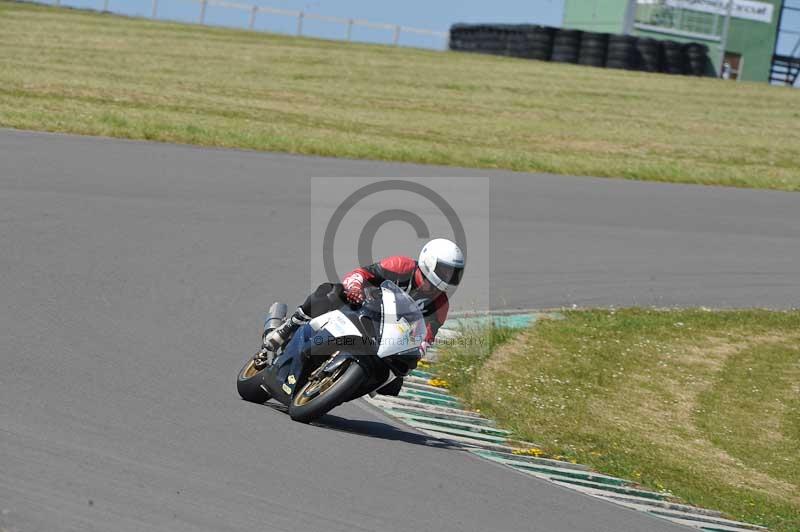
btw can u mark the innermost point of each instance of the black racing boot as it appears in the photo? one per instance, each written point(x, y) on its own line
point(276, 339)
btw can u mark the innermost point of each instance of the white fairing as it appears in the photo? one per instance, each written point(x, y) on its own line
point(402, 327)
point(336, 323)
point(400, 331)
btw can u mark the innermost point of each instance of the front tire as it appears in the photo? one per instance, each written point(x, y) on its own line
point(249, 383)
point(318, 397)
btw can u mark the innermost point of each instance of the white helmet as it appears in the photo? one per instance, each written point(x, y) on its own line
point(442, 263)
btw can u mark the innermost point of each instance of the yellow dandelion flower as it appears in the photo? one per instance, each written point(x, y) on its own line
point(533, 451)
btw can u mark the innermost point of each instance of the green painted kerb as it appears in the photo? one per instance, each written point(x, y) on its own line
point(510, 321)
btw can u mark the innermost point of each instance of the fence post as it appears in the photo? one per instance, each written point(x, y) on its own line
point(300, 17)
point(155, 9)
point(253, 13)
point(350, 29)
point(396, 35)
point(105, 5)
point(203, 5)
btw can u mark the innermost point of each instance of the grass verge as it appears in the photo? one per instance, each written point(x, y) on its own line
point(83, 72)
point(705, 405)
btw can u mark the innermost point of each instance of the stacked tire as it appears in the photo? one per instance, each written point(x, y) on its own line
point(479, 38)
point(697, 63)
point(493, 40)
point(462, 38)
point(649, 54)
point(621, 52)
point(674, 60)
point(540, 42)
point(566, 46)
point(523, 40)
point(593, 49)
point(516, 42)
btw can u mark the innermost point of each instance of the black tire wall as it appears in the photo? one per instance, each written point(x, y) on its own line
point(621, 52)
point(674, 60)
point(594, 48)
point(697, 61)
point(649, 55)
point(560, 45)
point(566, 46)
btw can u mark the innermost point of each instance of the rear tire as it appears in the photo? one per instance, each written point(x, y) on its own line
point(305, 408)
point(249, 382)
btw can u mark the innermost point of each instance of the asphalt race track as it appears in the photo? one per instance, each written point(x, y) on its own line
point(133, 277)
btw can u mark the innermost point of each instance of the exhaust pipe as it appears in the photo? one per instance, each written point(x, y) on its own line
point(277, 313)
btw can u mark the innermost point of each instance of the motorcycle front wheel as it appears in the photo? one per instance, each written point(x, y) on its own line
point(250, 382)
point(319, 396)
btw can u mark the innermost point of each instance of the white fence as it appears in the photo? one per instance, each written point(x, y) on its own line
point(396, 31)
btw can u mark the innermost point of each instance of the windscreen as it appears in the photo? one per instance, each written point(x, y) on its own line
point(402, 325)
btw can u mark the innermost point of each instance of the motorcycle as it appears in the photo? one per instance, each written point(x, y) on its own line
point(339, 356)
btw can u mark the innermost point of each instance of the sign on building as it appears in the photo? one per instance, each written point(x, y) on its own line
point(744, 9)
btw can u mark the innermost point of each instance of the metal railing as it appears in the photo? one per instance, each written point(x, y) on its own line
point(672, 17)
point(783, 31)
point(397, 30)
point(699, 19)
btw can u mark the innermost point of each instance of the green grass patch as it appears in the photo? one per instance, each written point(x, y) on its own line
point(89, 73)
point(703, 404)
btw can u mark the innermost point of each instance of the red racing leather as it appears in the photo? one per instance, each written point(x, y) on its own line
point(403, 272)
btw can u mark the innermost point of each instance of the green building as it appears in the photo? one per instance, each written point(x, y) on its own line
point(747, 29)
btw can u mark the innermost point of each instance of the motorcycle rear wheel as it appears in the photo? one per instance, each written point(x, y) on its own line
point(319, 396)
point(249, 383)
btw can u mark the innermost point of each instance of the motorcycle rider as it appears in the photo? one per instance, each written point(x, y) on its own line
point(440, 266)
